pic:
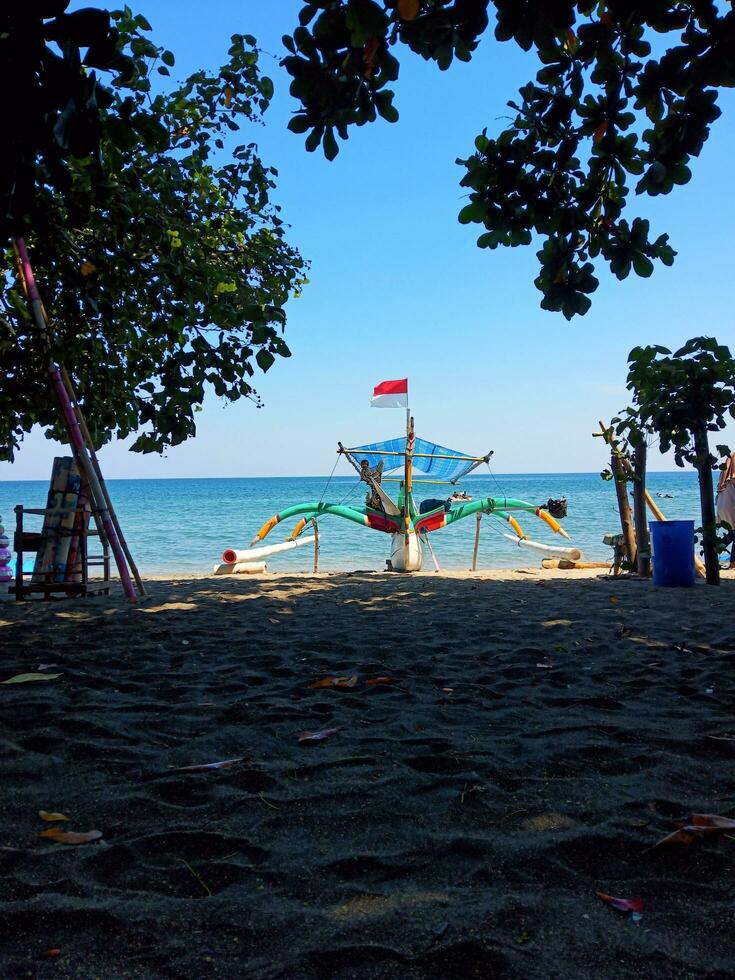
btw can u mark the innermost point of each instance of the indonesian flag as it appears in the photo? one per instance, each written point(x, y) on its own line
point(390, 394)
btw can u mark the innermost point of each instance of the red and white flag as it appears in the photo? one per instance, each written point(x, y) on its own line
point(390, 394)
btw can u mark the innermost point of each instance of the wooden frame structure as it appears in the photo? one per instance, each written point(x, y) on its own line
point(82, 444)
point(29, 541)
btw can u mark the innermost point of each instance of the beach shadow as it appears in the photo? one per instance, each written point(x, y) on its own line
point(527, 741)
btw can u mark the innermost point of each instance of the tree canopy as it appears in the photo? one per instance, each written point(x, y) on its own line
point(623, 100)
point(164, 270)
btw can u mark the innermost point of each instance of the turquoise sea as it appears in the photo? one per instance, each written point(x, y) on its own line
point(182, 526)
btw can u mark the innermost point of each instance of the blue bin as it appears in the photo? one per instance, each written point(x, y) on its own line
point(673, 552)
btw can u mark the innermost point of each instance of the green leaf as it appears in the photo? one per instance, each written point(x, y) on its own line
point(314, 138)
point(474, 211)
point(330, 144)
point(299, 123)
point(265, 359)
point(642, 265)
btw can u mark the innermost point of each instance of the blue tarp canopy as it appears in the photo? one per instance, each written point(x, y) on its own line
point(430, 458)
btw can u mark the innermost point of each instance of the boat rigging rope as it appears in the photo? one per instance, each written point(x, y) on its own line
point(329, 480)
point(495, 480)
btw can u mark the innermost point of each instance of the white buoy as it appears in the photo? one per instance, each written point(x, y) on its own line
point(230, 556)
point(571, 554)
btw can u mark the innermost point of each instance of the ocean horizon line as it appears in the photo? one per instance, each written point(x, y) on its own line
point(345, 476)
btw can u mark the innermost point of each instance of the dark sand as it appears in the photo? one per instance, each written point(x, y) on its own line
point(545, 731)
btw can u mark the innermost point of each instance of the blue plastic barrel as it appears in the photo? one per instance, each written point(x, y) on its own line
point(673, 552)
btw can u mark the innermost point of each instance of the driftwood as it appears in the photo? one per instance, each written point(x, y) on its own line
point(565, 563)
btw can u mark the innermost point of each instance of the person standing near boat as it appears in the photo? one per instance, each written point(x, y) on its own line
point(726, 503)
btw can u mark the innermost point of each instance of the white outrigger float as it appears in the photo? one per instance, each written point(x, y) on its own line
point(409, 524)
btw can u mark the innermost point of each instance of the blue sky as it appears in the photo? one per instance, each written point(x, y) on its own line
point(398, 287)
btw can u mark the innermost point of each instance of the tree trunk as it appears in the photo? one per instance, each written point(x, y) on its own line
point(642, 540)
point(621, 489)
point(707, 502)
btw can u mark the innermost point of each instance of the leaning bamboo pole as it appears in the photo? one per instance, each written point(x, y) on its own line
point(72, 422)
point(95, 462)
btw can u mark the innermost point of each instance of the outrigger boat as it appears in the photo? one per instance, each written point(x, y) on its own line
point(409, 524)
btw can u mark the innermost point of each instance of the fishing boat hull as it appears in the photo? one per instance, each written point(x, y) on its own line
point(406, 559)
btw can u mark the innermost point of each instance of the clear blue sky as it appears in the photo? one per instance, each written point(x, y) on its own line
point(398, 287)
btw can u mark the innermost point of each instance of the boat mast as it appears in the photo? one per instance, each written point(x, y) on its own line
point(408, 479)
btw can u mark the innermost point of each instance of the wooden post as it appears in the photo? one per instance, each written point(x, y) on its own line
point(408, 483)
point(707, 501)
point(477, 542)
point(620, 473)
point(316, 544)
point(642, 539)
point(621, 489)
point(18, 544)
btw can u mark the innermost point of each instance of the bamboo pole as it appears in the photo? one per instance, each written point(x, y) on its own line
point(642, 538)
point(316, 544)
point(408, 484)
point(431, 552)
point(386, 452)
point(72, 423)
point(95, 462)
point(477, 541)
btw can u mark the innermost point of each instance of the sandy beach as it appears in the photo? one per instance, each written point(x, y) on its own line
point(531, 736)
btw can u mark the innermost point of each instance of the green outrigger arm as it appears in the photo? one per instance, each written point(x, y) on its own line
point(441, 517)
point(433, 520)
point(366, 516)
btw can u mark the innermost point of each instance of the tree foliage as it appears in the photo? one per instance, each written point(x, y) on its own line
point(682, 397)
point(164, 270)
point(623, 100)
point(675, 394)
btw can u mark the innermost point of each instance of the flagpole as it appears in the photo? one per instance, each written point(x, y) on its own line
point(408, 482)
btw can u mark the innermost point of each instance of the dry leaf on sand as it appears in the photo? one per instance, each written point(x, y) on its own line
point(27, 678)
point(318, 736)
point(696, 826)
point(339, 682)
point(204, 766)
point(622, 904)
point(70, 836)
